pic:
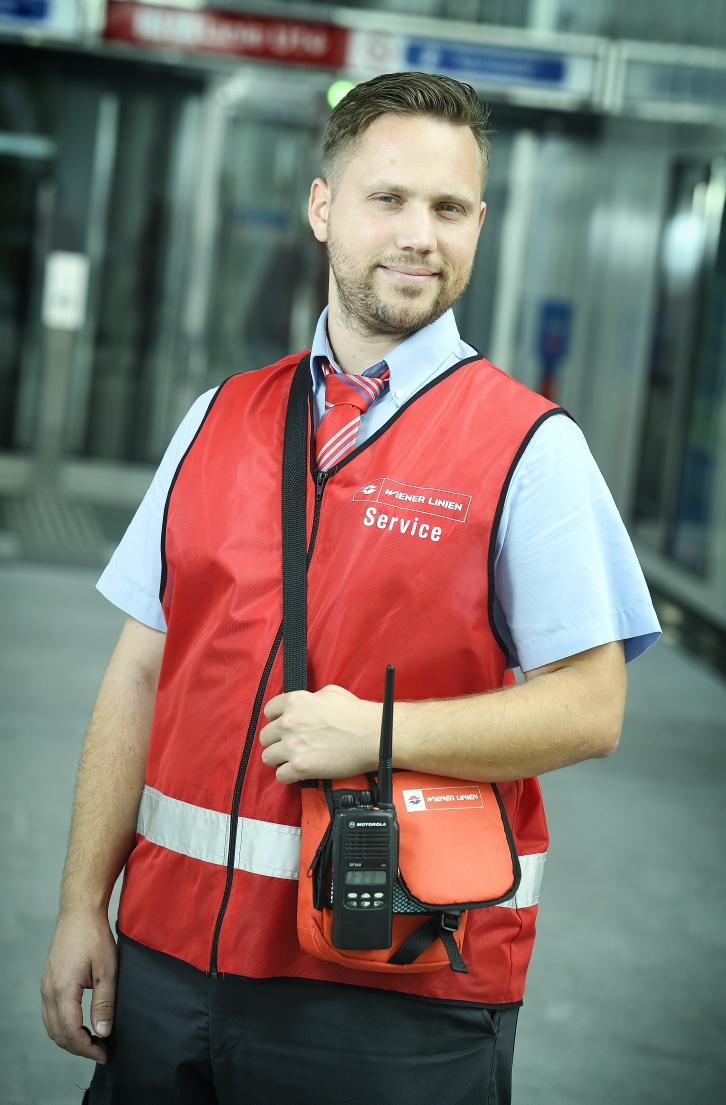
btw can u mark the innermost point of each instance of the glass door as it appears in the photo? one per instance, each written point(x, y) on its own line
point(140, 275)
point(688, 369)
point(26, 195)
point(270, 277)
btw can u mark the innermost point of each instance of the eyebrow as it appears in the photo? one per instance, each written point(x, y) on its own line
point(399, 189)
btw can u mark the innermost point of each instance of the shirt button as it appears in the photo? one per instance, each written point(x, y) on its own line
point(399, 393)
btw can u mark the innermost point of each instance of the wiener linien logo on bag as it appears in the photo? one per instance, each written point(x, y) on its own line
point(442, 798)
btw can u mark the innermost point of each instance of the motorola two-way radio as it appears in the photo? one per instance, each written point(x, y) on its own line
point(365, 853)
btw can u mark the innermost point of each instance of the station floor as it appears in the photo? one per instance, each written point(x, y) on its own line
point(626, 1000)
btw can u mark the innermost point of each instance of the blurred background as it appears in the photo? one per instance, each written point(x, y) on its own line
point(155, 161)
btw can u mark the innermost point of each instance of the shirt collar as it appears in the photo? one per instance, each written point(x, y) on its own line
point(412, 363)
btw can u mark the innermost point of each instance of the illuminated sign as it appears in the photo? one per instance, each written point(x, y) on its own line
point(484, 65)
point(60, 18)
point(217, 32)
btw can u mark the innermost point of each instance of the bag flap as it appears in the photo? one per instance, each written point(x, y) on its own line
point(456, 846)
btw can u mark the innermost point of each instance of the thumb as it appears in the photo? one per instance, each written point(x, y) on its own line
point(102, 1003)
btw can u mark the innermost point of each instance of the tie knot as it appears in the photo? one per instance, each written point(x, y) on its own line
point(355, 391)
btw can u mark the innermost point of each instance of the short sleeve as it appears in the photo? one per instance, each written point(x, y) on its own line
point(132, 578)
point(566, 575)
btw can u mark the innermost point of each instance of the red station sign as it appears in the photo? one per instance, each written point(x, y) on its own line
point(221, 32)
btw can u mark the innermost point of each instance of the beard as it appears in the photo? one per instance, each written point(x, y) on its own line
point(371, 315)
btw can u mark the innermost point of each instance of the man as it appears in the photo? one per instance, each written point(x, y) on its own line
point(520, 557)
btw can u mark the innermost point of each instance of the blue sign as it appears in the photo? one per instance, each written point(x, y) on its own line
point(24, 9)
point(553, 340)
point(496, 64)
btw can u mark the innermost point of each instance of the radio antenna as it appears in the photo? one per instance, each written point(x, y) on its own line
point(385, 756)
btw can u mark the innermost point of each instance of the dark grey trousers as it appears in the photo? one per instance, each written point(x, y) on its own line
point(183, 1038)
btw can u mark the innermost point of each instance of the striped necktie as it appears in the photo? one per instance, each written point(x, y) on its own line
point(347, 397)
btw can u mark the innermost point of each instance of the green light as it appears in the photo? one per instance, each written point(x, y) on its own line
point(337, 91)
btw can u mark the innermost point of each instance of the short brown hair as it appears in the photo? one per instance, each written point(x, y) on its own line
point(403, 94)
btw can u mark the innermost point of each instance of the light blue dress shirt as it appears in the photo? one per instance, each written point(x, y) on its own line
point(566, 575)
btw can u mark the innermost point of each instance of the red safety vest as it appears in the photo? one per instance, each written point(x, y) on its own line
point(404, 535)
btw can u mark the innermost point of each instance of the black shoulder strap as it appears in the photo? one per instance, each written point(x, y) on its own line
point(294, 534)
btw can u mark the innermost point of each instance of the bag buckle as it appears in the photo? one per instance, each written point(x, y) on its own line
point(449, 922)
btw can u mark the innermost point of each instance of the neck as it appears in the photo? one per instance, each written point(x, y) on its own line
point(354, 349)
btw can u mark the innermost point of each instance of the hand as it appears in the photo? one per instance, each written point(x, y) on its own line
point(330, 734)
point(82, 956)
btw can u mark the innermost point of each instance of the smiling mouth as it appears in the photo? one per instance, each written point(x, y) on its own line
point(413, 276)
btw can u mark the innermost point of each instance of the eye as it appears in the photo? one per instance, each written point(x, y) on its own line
point(449, 209)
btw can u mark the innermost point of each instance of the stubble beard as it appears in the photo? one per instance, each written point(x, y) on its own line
point(369, 314)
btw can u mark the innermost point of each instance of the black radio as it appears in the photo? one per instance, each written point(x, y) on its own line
point(365, 854)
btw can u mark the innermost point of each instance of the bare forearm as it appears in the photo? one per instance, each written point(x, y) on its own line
point(569, 711)
point(110, 783)
point(558, 718)
point(82, 954)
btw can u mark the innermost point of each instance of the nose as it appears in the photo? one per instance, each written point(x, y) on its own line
point(415, 229)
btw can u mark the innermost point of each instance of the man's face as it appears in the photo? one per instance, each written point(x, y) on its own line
point(403, 223)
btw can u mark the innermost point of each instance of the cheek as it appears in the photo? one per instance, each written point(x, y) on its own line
point(458, 249)
point(354, 229)
point(372, 236)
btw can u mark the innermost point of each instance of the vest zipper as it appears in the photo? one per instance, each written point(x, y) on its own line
point(321, 478)
point(320, 481)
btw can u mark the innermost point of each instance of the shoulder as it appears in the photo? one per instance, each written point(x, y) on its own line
point(557, 455)
point(280, 372)
point(261, 389)
point(567, 577)
point(497, 388)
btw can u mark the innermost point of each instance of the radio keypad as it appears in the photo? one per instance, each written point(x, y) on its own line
point(364, 853)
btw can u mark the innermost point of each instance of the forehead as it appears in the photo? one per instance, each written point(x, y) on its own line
point(425, 153)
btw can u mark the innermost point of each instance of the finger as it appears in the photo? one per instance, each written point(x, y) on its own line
point(98, 1046)
point(71, 1034)
point(275, 754)
point(61, 1007)
point(270, 734)
point(50, 1012)
point(275, 707)
point(287, 774)
point(103, 1001)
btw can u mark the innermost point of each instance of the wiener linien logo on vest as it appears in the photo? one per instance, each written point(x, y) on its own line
point(393, 497)
point(442, 798)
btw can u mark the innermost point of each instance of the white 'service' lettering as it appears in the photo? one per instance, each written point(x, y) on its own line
point(383, 522)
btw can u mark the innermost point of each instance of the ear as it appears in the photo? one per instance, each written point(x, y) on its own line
point(482, 213)
point(319, 208)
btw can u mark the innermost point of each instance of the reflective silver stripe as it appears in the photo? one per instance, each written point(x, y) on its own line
point(262, 847)
point(531, 884)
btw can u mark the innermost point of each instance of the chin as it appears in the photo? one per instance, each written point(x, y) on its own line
point(403, 320)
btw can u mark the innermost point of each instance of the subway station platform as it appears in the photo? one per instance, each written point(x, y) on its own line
point(626, 1002)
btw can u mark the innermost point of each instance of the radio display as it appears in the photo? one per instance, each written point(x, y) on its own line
point(365, 878)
